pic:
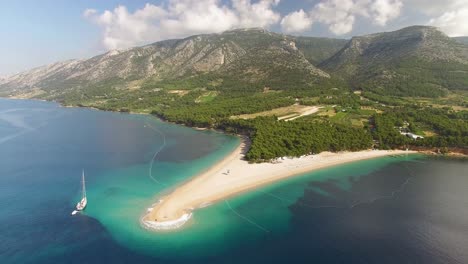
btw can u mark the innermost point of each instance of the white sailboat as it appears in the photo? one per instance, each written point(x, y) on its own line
point(80, 206)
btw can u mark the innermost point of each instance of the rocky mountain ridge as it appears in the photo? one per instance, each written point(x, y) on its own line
point(166, 60)
point(380, 62)
point(396, 62)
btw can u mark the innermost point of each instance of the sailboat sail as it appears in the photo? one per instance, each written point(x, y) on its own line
point(83, 195)
point(82, 204)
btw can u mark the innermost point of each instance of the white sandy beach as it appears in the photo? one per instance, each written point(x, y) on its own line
point(233, 175)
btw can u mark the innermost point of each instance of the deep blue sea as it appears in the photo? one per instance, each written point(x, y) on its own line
point(407, 209)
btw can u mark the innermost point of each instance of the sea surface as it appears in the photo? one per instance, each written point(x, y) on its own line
point(406, 209)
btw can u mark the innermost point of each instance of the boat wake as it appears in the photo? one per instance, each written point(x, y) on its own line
point(150, 171)
point(19, 121)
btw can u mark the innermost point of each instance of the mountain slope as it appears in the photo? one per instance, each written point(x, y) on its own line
point(316, 50)
point(254, 56)
point(416, 61)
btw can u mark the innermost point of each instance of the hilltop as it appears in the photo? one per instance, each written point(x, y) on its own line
point(414, 61)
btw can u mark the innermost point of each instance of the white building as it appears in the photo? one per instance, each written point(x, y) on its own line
point(411, 135)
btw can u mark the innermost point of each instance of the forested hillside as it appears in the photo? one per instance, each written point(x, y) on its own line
point(317, 50)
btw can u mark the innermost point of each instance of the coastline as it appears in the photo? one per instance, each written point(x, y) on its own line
point(453, 151)
point(233, 175)
point(175, 214)
point(175, 209)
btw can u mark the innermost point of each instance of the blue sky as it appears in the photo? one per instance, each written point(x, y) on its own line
point(41, 32)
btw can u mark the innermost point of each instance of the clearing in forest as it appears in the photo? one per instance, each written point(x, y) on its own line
point(286, 113)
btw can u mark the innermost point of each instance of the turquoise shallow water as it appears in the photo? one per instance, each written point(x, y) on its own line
point(122, 200)
point(400, 209)
point(256, 214)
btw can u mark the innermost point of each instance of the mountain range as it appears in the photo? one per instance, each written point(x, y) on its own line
point(463, 40)
point(413, 61)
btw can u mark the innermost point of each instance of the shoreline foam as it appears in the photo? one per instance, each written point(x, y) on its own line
point(167, 225)
point(233, 175)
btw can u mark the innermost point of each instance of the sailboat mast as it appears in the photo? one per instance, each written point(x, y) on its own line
point(84, 187)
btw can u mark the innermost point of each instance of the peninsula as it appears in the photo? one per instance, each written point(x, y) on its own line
point(234, 175)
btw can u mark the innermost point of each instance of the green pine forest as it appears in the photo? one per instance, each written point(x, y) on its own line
point(348, 120)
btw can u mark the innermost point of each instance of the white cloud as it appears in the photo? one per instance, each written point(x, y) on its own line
point(89, 12)
point(454, 23)
point(260, 14)
point(343, 26)
point(451, 16)
point(179, 18)
point(385, 10)
point(193, 17)
point(435, 8)
point(122, 29)
point(296, 22)
point(340, 15)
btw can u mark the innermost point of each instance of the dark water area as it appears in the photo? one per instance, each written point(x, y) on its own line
point(389, 210)
point(407, 212)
